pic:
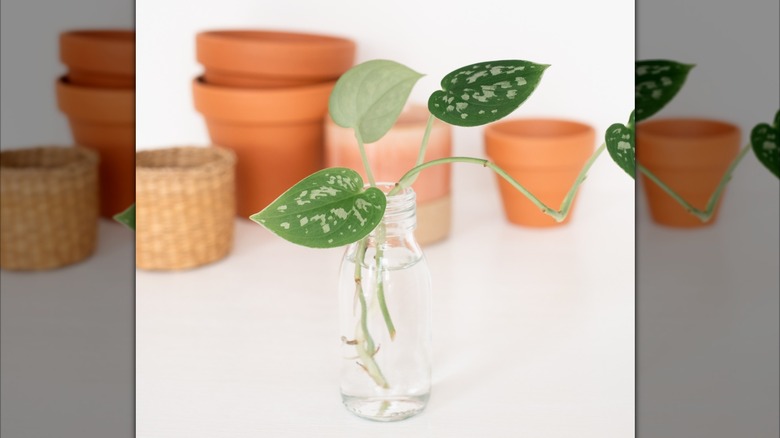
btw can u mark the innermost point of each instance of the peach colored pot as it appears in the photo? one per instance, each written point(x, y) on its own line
point(393, 155)
point(265, 59)
point(99, 58)
point(545, 156)
point(277, 135)
point(688, 155)
point(103, 119)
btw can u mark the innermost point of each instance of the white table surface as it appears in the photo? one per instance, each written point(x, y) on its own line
point(533, 332)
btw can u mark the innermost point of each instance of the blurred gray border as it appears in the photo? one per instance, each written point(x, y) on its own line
point(707, 300)
point(67, 335)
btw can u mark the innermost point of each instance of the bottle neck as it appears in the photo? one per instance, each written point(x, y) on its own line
point(400, 214)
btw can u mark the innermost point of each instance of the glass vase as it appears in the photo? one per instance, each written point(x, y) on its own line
point(385, 318)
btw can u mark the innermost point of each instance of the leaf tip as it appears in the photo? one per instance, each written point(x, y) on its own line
point(257, 217)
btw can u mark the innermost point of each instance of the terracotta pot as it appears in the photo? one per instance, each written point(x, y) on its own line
point(277, 136)
point(393, 155)
point(545, 156)
point(264, 59)
point(688, 155)
point(49, 207)
point(103, 119)
point(99, 58)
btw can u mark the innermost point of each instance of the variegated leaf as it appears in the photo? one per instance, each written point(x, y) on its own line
point(370, 96)
point(621, 146)
point(657, 81)
point(327, 209)
point(485, 92)
point(764, 140)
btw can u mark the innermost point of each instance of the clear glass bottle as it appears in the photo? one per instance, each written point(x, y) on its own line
point(385, 283)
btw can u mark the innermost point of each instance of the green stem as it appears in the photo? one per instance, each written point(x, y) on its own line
point(380, 288)
point(558, 215)
point(365, 343)
point(424, 144)
point(706, 214)
point(364, 157)
point(361, 253)
point(567, 201)
point(372, 368)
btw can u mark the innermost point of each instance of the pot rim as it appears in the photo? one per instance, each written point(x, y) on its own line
point(90, 103)
point(670, 126)
point(418, 112)
point(544, 148)
point(110, 51)
point(262, 106)
point(658, 147)
point(275, 53)
point(500, 128)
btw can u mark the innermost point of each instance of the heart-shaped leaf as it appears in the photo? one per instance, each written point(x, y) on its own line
point(127, 217)
point(764, 140)
point(656, 83)
point(485, 92)
point(327, 209)
point(621, 145)
point(370, 96)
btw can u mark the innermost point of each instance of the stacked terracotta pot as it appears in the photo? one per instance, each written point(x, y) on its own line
point(264, 94)
point(97, 94)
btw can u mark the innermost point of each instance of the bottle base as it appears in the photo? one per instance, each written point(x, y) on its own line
point(385, 408)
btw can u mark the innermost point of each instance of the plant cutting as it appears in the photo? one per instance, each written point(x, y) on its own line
point(384, 284)
point(395, 153)
point(657, 82)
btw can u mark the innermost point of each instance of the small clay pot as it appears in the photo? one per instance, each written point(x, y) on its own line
point(277, 135)
point(396, 153)
point(690, 156)
point(99, 58)
point(545, 156)
point(103, 119)
point(49, 207)
point(269, 59)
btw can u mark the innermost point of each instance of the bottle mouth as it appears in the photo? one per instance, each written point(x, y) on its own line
point(401, 207)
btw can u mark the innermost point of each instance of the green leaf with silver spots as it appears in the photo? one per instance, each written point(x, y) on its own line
point(127, 217)
point(621, 145)
point(485, 92)
point(764, 141)
point(657, 81)
point(327, 209)
point(370, 96)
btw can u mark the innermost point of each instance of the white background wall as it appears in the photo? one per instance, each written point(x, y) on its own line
point(590, 48)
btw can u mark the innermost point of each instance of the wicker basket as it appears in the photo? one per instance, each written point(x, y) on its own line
point(185, 206)
point(48, 207)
